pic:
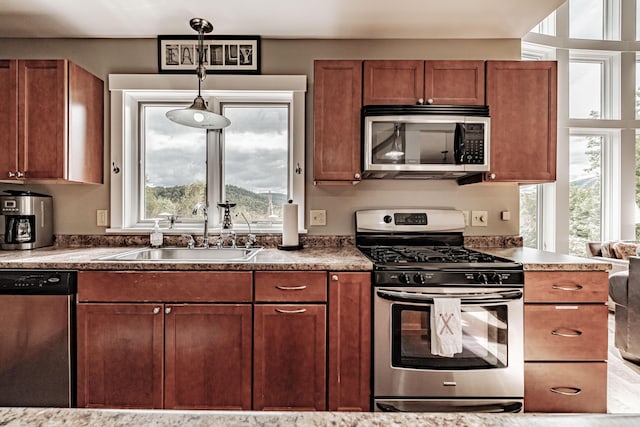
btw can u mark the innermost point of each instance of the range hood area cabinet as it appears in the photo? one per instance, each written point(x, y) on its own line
point(51, 122)
point(437, 82)
point(521, 95)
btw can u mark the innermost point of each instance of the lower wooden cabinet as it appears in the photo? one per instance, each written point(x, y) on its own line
point(289, 357)
point(566, 341)
point(349, 377)
point(565, 387)
point(164, 356)
point(120, 355)
point(235, 340)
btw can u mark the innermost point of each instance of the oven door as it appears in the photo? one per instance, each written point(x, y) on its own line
point(490, 365)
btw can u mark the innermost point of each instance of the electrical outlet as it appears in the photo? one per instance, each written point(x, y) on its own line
point(479, 219)
point(102, 219)
point(318, 217)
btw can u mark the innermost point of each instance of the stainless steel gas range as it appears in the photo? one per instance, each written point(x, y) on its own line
point(420, 266)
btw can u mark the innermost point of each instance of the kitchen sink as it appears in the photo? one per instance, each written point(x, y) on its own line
point(186, 254)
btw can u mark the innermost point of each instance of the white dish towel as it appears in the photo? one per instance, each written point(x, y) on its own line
point(446, 327)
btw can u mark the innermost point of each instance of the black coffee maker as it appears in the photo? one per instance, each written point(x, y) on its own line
point(28, 220)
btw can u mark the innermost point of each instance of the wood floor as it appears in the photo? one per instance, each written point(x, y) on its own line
point(623, 387)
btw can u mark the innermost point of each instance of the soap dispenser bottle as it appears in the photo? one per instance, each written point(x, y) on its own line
point(156, 238)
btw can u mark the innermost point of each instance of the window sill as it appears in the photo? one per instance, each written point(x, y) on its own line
point(195, 230)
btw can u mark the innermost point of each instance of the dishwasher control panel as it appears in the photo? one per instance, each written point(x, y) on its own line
point(38, 282)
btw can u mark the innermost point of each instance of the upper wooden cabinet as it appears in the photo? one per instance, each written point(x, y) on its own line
point(51, 122)
point(428, 82)
point(522, 99)
point(336, 122)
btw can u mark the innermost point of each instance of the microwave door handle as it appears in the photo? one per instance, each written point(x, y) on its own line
point(421, 298)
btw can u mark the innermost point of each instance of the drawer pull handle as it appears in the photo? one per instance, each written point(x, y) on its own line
point(296, 311)
point(566, 391)
point(574, 333)
point(291, 288)
point(567, 288)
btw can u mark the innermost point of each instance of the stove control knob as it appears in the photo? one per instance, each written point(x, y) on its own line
point(419, 279)
point(496, 278)
point(404, 278)
point(387, 219)
point(482, 278)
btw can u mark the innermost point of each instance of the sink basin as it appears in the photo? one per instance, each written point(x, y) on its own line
point(186, 254)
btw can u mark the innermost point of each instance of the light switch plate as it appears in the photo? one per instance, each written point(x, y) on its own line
point(102, 219)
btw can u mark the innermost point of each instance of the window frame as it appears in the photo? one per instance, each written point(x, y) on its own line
point(619, 156)
point(128, 91)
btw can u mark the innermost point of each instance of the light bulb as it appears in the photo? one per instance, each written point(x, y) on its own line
point(198, 117)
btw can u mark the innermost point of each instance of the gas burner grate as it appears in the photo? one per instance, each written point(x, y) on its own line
point(426, 254)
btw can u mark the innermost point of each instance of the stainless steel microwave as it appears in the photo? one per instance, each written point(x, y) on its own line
point(425, 141)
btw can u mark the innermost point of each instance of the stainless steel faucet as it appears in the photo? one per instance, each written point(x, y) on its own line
point(205, 211)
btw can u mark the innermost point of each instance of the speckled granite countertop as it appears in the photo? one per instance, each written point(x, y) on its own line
point(345, 258)
point(13, 417)
point(535, 260)
point(342, 258)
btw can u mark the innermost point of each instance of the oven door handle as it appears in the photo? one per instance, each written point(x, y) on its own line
point(421, 298)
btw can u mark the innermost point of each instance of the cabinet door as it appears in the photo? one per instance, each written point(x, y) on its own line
point(86, 122)
point(336, 122)
point(42, 123)
point(349, 380)
point(289, 357)
point(565, 332)
point(566, 286)
point(522, 99)
point(120, 355)
point(290, 286)
point(454, 82)
point(208, 357)
point(565, 387)
point(393, 82)
point(8, 117)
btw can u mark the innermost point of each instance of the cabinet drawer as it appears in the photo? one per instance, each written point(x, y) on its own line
point(565, 332)
point(566, 286)
point(290, 286)
point(565, 387)
point(164, 286)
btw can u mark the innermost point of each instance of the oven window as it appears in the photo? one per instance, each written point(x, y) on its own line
point(484, 338)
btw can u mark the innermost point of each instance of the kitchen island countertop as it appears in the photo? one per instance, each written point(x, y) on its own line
point(14, 417)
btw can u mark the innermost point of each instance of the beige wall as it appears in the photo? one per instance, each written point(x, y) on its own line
point(75, 205)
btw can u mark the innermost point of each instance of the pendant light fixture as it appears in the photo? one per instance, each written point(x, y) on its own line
point(197, 115)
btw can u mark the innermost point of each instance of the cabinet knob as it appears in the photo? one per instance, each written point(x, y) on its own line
point(420, 101)
point(334, 277)
point(19, 174)
point(167, 310)
point(156, 310)
point(491, 176)
point(430, 101)
point(357, 175)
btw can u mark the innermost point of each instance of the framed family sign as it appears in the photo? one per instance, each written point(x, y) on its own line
point(222, 54)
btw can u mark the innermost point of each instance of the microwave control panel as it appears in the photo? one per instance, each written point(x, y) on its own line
point(471, 137)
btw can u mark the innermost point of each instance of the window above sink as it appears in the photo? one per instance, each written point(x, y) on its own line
point(257, 162)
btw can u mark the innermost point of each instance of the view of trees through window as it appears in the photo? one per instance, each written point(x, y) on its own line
point(254, 173)
point(585, 191)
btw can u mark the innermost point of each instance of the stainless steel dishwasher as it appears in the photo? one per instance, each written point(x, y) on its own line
point(37, 350)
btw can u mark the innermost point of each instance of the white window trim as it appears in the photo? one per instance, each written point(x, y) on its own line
point(610, 83)
point(129, 89)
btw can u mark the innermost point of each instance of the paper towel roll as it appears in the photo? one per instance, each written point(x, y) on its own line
point(290, 224)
